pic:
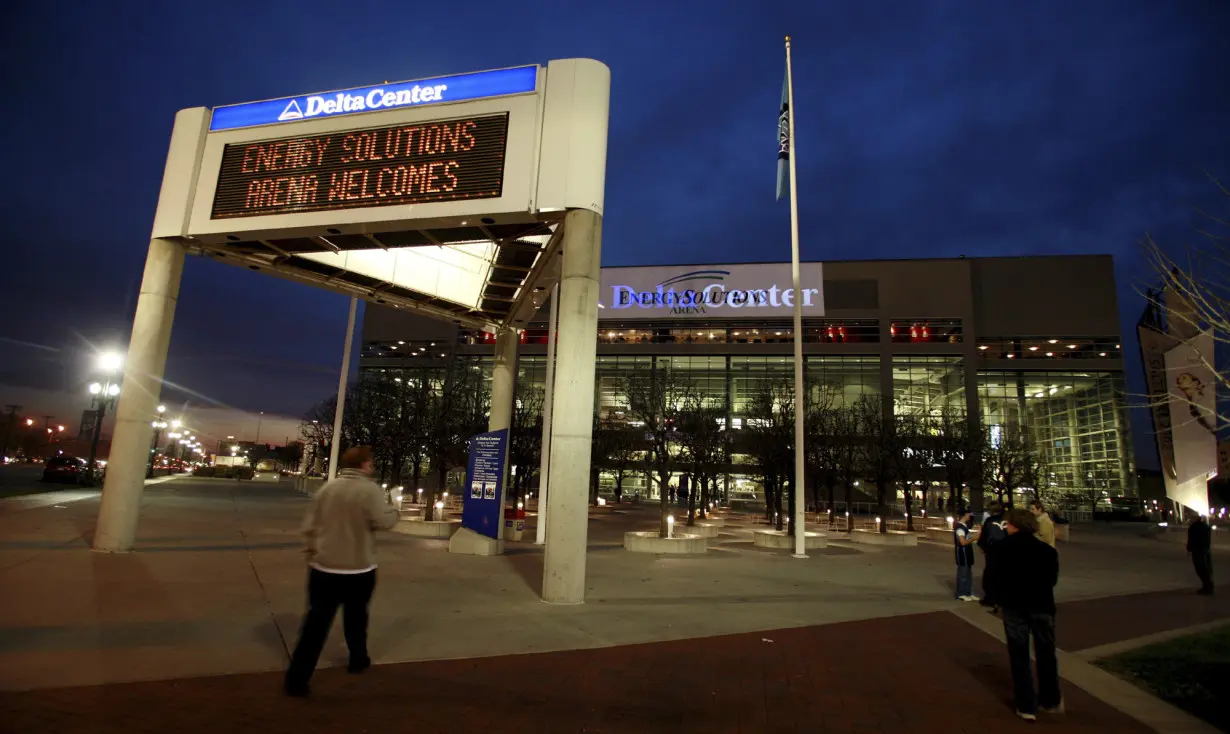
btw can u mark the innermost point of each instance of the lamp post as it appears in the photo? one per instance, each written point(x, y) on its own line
point(158, 424)
point(104, 393)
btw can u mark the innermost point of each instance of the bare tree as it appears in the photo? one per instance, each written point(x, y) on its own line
point(316, 431)
point(885, 442)
point(769, 438)
point(702, 440)
point(458, 410)
point(655, 400)
point(920, 455)
point(823, 440)
point(959, 450)
point(525, 438)
point(616, 448)
point(1011, 461)
point(1196, 279)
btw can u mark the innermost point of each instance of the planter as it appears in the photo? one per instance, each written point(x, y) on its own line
point(649, 542)
point(703, 529)
point(892, 537)
point(781, 540)
point(419, 528)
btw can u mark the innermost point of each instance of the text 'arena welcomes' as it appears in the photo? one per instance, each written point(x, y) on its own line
point(447, 160)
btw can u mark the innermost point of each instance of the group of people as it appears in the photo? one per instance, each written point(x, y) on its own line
point(1021, 570)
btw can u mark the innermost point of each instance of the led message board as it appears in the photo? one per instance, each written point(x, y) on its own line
point(436, 161)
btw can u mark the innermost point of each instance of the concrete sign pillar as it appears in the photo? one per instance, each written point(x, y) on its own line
point(572, 425)
point(150, 340)
point(139, 393)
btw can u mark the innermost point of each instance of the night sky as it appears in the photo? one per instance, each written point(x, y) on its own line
point(923, 129)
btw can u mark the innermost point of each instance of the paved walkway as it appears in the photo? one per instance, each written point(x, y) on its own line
point(918, 674)
point(863, 638)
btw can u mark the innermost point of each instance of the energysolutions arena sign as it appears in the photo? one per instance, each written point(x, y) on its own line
point(758, 291)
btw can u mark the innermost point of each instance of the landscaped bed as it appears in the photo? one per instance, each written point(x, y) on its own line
point(1192, 673)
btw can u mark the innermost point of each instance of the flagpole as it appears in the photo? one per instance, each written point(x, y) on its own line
point(800, 533)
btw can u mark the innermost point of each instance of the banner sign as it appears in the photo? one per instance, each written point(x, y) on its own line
point(457, 88)
point(1193, 418)
point(483, 498)
point(756, 291)
point(1153, 347)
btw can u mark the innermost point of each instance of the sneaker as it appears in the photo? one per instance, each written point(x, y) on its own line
point(971, 597)
point(358, 666)
point(1027, 717)
point(1056, 709)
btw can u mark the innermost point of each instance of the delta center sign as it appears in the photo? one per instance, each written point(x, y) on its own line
point(724, 291)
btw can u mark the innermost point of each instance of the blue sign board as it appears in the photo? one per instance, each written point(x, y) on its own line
point(458, 88)
point(483, 498)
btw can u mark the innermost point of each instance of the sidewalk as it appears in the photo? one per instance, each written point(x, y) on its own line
point(207, 606)
point(917, 674)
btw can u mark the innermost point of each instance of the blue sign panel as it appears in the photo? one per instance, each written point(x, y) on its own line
point(483, 508)
point(459, 88)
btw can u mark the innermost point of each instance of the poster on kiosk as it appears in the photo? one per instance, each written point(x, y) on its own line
point(483, 496)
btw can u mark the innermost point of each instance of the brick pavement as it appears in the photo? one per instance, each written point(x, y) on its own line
point(1092, 622)
point(920, 673)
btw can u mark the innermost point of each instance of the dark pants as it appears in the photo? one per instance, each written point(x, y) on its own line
point(965, 581)
point(1018, 627)
point(1203, 561)
point(326, 592)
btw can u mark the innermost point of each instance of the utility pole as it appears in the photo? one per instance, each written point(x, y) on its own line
point(11, 416)
point(47, 430)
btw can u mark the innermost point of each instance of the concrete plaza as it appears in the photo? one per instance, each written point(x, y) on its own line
point(201, 616)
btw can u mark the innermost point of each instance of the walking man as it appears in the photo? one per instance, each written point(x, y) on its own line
point(963, 539)
point(1026, 571)
point(1200, 546)
point(1046, 527)
point(339, 529)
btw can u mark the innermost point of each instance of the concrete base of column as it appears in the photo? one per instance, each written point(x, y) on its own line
point(563, 579)
point(467, 542)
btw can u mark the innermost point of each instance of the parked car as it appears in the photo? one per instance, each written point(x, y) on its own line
point(64, 468)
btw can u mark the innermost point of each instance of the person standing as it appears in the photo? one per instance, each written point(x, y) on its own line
point(1046, 527)
point(1200, 546)
point(1026, 571)
point(993, 532)
point(339, 527)
point(963, 540)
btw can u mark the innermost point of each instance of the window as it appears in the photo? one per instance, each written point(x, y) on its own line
point(928, 386)
point(1057, 347)
point(926, 331)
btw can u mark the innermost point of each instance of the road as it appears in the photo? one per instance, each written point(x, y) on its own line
point(18, 479)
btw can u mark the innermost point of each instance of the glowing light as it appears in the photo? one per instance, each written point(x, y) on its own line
point(110, 362)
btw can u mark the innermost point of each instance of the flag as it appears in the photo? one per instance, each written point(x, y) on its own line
point(783, 140)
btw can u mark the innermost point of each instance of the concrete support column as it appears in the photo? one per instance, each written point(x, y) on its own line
point(503, 398)
point(563, 579)
point(140, 390)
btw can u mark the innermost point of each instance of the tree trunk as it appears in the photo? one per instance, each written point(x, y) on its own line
point(777, 504)
point(882, 490)
point(704, 496)
point(664, 500)
point(691, 499)
point(909, 509)
point(593, 485)
point(791, 489)
point(619, 486)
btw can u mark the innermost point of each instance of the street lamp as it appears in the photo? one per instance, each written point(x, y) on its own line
point(104, 394)
point(158, 425)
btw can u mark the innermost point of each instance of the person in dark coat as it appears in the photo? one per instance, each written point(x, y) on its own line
point(1026, 571)
point(1200, 546)
point(992, 532)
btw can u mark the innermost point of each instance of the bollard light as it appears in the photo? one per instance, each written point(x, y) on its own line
point(520, 506)
point(670, 526)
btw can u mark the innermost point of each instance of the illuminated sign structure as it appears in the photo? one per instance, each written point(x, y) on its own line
point(458, 88)
point(731, 291)
point(433, 161)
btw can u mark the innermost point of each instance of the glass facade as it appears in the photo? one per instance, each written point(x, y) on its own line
point(1076, 418)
